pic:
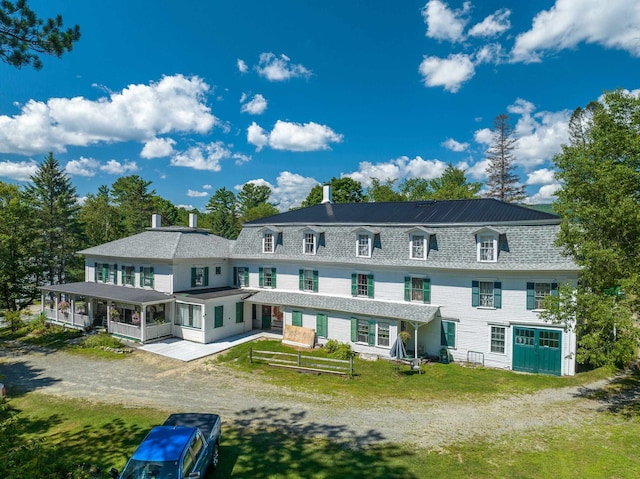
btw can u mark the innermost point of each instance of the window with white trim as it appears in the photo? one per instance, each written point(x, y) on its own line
point(498, 338)
point(128, 275)
point(267, 243)
point(383, 334)
point(309, 280)
point(417, 289)
point(418, 246)
point(267, 278)
point(486, 294)
point(363, 331)
point(146, 276)
point(363, 246)
point(242, 277)
point(487, 248)
point(541, 291)
point(363, 285)
point(190, 315)
point(199, 276)
point(309, 243)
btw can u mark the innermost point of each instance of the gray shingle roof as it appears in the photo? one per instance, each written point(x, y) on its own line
point(111, 292)
point(165, 243)
point(357, 306)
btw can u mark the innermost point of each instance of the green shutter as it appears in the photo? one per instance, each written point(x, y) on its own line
point(240, 312)
point(426, 290)
point(206, 276)
point(370, 284)
point(354, 284)
point(531, 295)
point(141, 277)
point(105, 272)
point(235, 276)
point(407, 288)
point(193, 277)
point(554, 289)
point(301, 279)
point(371, 337)
point(115, 274)
point(261, 277)
point(95, 272)
point(448, 334)
point(315, 280)
point(497, 295)
point(246, 276)
point(321, 325)
point(218, 313)
point(151, 282)
point(296, 318)
point(273, 277)
point(354, 330)
point(475, 293)
point(122, 275)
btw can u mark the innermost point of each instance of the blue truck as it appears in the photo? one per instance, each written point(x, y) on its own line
point(185, 446)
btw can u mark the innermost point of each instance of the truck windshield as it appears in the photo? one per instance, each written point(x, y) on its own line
point(150, 470)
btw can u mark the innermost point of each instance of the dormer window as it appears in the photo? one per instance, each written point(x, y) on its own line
point(267, 243)
point(418, 246)
point(487, 244)
point(364, 246)
point(309, 243)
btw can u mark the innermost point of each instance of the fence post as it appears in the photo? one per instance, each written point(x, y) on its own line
point(251, 355)
point(299, 359)
point(351, 366)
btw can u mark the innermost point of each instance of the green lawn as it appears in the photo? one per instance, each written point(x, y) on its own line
point(606, 446)
point(384, 380)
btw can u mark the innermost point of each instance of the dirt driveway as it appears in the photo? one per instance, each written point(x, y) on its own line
point(144, 379)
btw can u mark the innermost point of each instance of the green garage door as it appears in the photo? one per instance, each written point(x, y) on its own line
point(537, 350)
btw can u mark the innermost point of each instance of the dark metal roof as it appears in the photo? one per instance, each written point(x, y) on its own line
point(123, 294)
point(479, 211)
point(210, 293)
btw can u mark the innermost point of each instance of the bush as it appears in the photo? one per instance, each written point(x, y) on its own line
point(331, 346)
point(102, 340)
point(339, 350)
point(14, 320)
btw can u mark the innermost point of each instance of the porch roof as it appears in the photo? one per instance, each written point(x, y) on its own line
point(210, 293)
point(416, 312)
point(111, 292)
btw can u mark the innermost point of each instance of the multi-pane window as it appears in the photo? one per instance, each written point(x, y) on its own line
point(363, 285)
point(128, 275)
point(309, 243)
point(106, 273)
point(218, 270)
point(199, 277)
point(497, 339)
point(364, 246)
point(417, 247)
point(363, 331)
point(308, 280)
point(267, 243)
point(486, 248)
point(242, 277)
point(549, 339)
point(146, 276)
point(486, 294)
point(190, 315)
point(417, 289)
point(267, 278)
point(383, 334)
point(541, 291)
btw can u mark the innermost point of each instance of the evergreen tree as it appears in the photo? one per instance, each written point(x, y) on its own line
point(222, 207)
point(504, 183)
point(17, 250)
point(56, 210)
point(135, 203)
point(100, 218)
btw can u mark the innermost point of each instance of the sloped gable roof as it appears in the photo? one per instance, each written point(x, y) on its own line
point(165, 243)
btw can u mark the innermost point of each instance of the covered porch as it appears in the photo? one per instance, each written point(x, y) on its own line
point(137, 314)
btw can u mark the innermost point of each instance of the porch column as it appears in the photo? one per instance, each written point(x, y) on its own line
point(42, 302)
point(416, 326)
point(143, 324)
point(72, 309)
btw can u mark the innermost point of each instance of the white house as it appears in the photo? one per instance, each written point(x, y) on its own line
point(468, 276)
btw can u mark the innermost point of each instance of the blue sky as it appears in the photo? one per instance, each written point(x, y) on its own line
point(199, 95)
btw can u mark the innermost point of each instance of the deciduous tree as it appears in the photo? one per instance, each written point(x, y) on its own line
point(379, 192)
point(100, 218)
point(24, 36)
point(503, 183)
point(344, 190)
point(453, 185)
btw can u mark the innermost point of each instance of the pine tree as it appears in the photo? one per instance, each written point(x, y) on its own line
point(56, 210)
point(503, 183)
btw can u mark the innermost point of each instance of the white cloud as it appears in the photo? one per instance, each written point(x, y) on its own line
point(454, 145)
point(450, 72)
point(542, 176)
point(571, 22)
point(490, 53)
point(158, 148)
point(293, 136)
point(257, 136)
point(114, 167)
point(203, 157)
point(137, 113)
point(240, 158)
point(483, 136)
point(256, 106)
point(546, 194)
point(186, 207)
point(197, 194)
point(280, 68)
point(82, 167)
point(242, 66)
point(478, 171)
point(18, 170)
point(291, 190)
point(207, 187)
point(444, 23)
point(398, 169)
point(493, 25)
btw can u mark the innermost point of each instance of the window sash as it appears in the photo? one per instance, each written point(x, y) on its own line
point(486, 294)
point(147, 277)
point(267, 277)
point(498, 337)
point(417, 247)
point(309, 243)
point(198, 277)
point(267, 243)
point(487, 248)
point(541, 290)
point(307, 280)
point(129, 275)
point(363, 331)
point(383, 334)
point(190, 315)
point(417, 289)
point(363, 245)
point(241, 277)
point(363, 285)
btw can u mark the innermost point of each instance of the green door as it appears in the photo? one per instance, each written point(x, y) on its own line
point(266, 317)
point(537, 350)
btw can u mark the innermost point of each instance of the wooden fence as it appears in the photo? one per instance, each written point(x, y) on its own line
point(302, 362)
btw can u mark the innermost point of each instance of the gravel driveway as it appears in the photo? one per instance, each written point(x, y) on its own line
point(145, 379)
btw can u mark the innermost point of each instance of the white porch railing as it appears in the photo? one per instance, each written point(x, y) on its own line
point(75, 320)
point(124, 329)
point(155, 331)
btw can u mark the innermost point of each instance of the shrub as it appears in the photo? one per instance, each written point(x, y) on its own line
point(344, 351)
point(331, 346)
point(102, 340)
point(14, 320)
